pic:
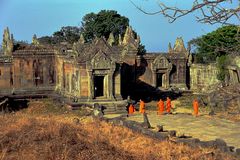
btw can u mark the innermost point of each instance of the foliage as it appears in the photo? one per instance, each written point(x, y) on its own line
point(46, 40)
point(102, 24)
point(93, 25)
point(141, 49)
point(68, 34)
point(223, 41)
point(222, 62)
point(20, 42)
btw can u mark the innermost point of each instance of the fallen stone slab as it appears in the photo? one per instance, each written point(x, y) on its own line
point(159, 128)
point(172, 133)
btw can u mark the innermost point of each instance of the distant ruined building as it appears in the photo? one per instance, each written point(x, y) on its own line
point(100, 72)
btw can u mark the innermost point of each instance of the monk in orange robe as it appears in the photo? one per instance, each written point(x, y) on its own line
point(131, 109)
point(195, 107)
point(168, 105)
point(160, 107)
point(142, 107)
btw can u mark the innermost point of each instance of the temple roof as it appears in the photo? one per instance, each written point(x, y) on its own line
point(87, 51)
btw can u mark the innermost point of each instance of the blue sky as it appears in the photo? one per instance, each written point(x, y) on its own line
point(43, 17)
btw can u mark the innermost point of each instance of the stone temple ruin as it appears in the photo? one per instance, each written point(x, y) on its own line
point(99, 72)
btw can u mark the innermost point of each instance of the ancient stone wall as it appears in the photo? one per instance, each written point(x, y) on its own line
point(203, 76)
point(144, 69)
point(178, 73)
point(72, 78)
point(5, 77)
point(27, 71)
point(173, 70)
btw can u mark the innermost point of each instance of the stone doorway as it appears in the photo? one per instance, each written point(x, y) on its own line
point(98, 86)
point(161, 69)
point(159, 79)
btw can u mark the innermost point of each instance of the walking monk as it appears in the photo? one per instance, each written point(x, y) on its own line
point(168, 105)
point(142, 107)
point(131, 109)
point(195, 107)
point(160, 107)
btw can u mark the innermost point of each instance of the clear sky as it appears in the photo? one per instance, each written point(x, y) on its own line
point(43, 17)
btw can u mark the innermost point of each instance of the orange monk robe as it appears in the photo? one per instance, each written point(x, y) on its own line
point(131, 109)
point(195, 107)
point(160, 106)
point(168, 105)
point(142, 107)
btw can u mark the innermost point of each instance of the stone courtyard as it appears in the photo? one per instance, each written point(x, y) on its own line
point(203, 127)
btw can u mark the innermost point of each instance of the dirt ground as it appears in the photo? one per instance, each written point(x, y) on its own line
point(203, 127)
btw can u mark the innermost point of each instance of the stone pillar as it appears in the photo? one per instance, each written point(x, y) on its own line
point(117, 83)
point(110, 85)
point(164, 80)
point(154, 78)
point(167, 78)
point(45, 76)
point(90, 85)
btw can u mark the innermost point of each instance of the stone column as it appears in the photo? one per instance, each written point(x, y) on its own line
point(110, 85)
point(117, 84)
point(167, 79)
point(90, 85)
point(164, 80)
point(154, 78)
point(45, 73)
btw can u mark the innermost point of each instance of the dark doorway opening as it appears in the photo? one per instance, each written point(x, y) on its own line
point(159, 79)
point(98, 86)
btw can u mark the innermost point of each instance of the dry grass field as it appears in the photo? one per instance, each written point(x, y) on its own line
point(46, 131)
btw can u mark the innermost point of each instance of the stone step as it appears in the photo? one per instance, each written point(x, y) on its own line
point(108, 110)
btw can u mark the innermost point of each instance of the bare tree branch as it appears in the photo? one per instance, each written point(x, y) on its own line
point(211, 11)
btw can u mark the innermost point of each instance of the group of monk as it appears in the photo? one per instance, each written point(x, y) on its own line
point(160, 105)
point(169, 106)
point(132, 109)
point(161, 108)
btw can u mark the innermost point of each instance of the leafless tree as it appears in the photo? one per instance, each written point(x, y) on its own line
point(210, 11)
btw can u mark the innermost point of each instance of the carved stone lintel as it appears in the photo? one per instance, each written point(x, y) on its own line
point(101, 61)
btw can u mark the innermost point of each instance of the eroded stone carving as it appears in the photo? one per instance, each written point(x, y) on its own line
point(35, 40)
point(81, 39)
point(179, 45)
point(101, 61)
point(111, 39)
point(161, 62)
point(7, 44)
point(120, 39)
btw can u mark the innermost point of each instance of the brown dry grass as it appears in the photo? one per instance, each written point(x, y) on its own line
point(30, 135)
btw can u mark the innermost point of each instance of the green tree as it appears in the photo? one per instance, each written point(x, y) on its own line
point(222, 62)
point(216, 47)
point(93, 25)
point(102, 24)
point(223, 41)
point(68, 34)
